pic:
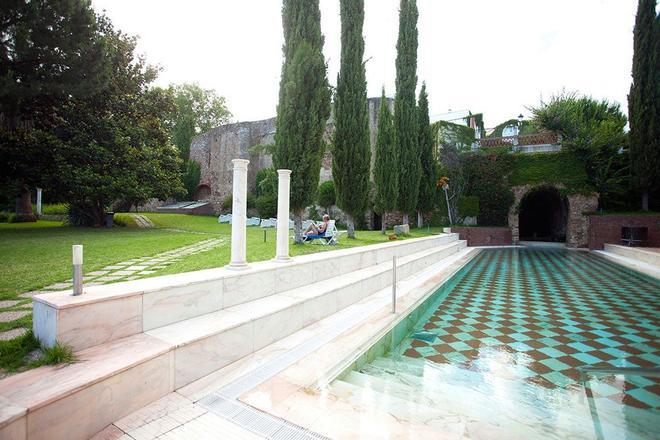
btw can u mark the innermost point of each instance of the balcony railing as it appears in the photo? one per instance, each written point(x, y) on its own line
point(546, 138)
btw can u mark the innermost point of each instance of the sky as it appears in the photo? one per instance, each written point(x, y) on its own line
point(496, 57)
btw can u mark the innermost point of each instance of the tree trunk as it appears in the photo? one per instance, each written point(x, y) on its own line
point(297, 226)
point(383, 225)
point(420, 220)
point(350, 226)
point(645, 201)
point(24, 205)
point(405, 218)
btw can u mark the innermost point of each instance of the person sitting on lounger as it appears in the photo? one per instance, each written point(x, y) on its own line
point(313, 229)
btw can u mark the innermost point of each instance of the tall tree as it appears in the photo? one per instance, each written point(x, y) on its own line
point(50, 52)
point(427, 181)
point(304, 104)
point(643, 103)
point(405, 109)
point(351, 153)
point(386, 164)
point(114, 145)
point(196, 110)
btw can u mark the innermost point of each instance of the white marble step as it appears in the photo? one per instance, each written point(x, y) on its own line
point(635, 253)
point(630, 263)
point(209, 342)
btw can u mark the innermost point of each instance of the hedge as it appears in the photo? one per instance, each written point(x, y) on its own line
point(562, 167)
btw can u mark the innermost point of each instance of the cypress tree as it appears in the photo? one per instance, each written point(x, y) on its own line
point(643, 104)
point(405, 109)
point(304, 103)
point(385, 166)
point(351, 154)
point(426, 198)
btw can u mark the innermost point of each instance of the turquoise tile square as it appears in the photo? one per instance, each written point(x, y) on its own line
point(586, 358)
point(552, 352)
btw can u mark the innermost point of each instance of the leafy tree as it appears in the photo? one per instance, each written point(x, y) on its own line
point(593, 129)
point(327, 195)
point(196, 110)
point(386, 164)
point(50, 52)
point(351, 153)
point(191, 175)
point(405, 111)
point(114, 145)
point(427, 190)
point(643, 106)
point(304, 104)
point(266, 182)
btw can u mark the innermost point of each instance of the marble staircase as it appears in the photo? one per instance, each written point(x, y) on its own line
point(645, 260)
point(185, 328)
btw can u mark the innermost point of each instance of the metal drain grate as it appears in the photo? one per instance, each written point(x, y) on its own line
point(256, 421)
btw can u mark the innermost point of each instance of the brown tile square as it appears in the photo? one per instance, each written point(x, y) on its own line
point(474, 343)
point(631, 401)
point(480, 326)
point(534, 344)
point(430, 326)
point(542, 381)
point(570, 360)
point(537, 355)
point(539, 368)
point(505, 338)
point(438, 359)
point(411, 352)
point(595, 344)
point(562, 339)
point(571, 373)
point(470, 354)
point(601, 355)
point(443, 348)
point(641, 362)
point(448, 338)
point(533, 335)
point(418, 343)
point(477, 334)
point(506, 330)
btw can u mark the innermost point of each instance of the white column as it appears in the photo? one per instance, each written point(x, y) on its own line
point(283, 185)
point(38, 201)
point(239, 215)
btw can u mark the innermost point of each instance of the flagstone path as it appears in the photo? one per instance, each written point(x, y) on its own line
point(11, 310)
point(142, 221)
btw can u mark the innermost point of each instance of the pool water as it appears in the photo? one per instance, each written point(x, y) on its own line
point(498, 354)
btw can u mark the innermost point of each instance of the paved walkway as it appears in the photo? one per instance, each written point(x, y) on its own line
point(142, 221)
point(11, 310)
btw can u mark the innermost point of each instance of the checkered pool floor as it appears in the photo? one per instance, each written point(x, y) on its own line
point(541, 313)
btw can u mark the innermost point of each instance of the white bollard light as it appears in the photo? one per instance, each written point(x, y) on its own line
point(283, 186)
point(239, 215)
point(77, 269)
point(39, 201)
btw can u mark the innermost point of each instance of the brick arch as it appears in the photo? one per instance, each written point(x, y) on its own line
point(203, 192)
point(576, 222)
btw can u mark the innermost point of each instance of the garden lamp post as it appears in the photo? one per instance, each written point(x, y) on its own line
point(445, 187)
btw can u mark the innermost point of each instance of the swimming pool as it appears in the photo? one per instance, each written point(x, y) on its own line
point(497, 351)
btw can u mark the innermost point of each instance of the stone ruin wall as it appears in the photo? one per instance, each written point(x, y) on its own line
point(215, 149)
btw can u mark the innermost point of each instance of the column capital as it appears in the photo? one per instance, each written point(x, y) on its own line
point(240, 163)
point(284, 173)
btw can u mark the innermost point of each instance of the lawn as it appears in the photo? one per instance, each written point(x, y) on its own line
point(39, 254)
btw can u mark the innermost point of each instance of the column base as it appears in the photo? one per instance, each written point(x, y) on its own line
point(237, 266)
point(282, 259)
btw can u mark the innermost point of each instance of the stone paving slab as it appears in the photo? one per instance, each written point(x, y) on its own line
point(8, 303)
point(98, 273)
point(31, 293)
point(13, 333)
point(13, 316)
point(58, 286)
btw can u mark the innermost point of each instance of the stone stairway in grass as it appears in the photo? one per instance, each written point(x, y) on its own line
point(138, 341)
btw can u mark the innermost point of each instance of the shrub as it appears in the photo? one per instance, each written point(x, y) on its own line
point(468, 206)
point(251, 201)
point(55, 209)
point(266, 182)
point(313, 214)
point(488, 181)
point(191, 177)
point(4, 217)
point(327, 196)
point(267, 205)
point(226, 203)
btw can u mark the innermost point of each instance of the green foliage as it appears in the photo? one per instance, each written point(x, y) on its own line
point(427, 191)
point(405, 111)
point(487, 181)
point(55, 209)
point(266, 182)
point(327, 195)
point(468, 206)
point(4, 217)
point(251, 201)
point(196, 110)
point(386, 163)
point(266, 205)
point(227, 203)
point(14, 351)
point(304, 101)
point(351, 153)
point(594, 131)
point(191, 178)
point(644, 101)
point(454, 135)
point(564, 167)
point(57, 354)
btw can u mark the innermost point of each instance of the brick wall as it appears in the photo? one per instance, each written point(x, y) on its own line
point(484, 236)
point(607, 228)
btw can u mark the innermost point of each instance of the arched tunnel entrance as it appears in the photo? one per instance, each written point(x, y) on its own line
point(543, 215)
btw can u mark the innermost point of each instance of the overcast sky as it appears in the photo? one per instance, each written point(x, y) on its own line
point(496, 57)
